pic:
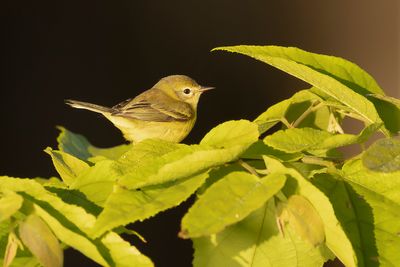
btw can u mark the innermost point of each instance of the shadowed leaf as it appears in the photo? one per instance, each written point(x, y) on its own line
point(383, 156)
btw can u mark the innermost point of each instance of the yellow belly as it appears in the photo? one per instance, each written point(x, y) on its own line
point(136, 130)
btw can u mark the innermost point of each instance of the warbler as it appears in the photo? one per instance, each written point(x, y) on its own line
point(167, 111)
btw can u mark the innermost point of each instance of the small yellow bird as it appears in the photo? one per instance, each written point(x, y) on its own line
point(167, 111)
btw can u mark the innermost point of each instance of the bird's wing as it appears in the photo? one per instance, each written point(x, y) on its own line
point(154, 106)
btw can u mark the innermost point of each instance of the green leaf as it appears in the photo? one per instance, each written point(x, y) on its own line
point(336, 238)
point(256, 241)
point(70, 223)
point(335, 77)
point(142, 152)
point(10, 203)
point(96, 182)
point(140, 158)
point(52, 181)
point(389, 110)
point(67, 166)
point(178, 164)
point(111, 250)
point(112, 153)
point(386, 98)
point(295, 140)
point(126, 206)
point(73, 144)
point(231, 134)
point(217, 174)
point(303, 218)
point(75, 197)
point(338, 68)
point(37, 236)
point(376, 201)
point(339, 140)
point(273, 115)
point(390, 114)
point(123, 254)
point(379, 222)
point(227, 201)
point(222, 144)
point(383, 156)
point(346, 202)
point(5, 230)
point(78, 146)
point(259, 148)
point(386, 184)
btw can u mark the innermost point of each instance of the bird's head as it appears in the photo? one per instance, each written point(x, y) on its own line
point(182, 88)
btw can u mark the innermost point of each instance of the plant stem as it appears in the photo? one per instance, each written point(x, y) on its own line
point(313, 107)
point(246, 166)
point(286, 123)
point(281, 196)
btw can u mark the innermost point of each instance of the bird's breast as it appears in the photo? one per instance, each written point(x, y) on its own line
point(136, 130)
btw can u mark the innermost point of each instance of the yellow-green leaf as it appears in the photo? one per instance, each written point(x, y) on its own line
point(383, 156)
point(78, 146)
point(300, 214)
point(224, 143)
point(335, 77)
point(10, 202)
point(257, 241)
point(67, 166)
point(227, 201)
point(36, 235)
point(336, 239)
point(126, 206)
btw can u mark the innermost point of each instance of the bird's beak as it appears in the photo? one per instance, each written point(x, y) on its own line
point(205, 88)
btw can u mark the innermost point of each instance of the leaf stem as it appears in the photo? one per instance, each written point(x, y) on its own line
point(313, 107)
point(286, 123)
point(246, 166)
point(281, 196)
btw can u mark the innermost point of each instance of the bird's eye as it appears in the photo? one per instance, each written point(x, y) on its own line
point(187, 91)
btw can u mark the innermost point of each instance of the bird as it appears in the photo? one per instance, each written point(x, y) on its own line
point(167, 111)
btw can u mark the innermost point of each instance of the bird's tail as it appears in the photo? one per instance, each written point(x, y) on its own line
point(88, 106)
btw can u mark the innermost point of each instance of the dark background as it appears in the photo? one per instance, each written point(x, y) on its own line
point(107, 51)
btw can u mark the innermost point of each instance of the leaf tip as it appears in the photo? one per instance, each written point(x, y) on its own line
point(223, 48)
point(48, 150)
point(217, 48)
point(60, 128)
